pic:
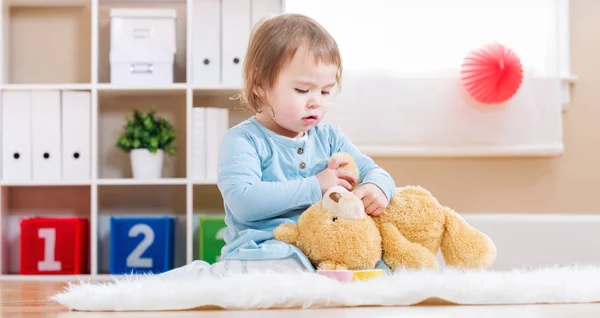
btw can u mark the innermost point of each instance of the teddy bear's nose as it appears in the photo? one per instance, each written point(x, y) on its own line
point(335, 196)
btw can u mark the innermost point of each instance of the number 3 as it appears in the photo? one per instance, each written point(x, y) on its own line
point(134, 259)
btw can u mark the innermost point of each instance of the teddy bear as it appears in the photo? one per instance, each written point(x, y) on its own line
point(337, 234)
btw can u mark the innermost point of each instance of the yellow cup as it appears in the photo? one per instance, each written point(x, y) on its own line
point(367, 274)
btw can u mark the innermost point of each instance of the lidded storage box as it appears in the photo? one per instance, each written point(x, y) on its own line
point(142, 46)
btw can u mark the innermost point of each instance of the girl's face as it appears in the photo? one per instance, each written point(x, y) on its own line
point(300, 97)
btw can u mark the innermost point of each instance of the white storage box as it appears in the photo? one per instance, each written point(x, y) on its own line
point(141, 69)
point(142, 46)
point(143, 29)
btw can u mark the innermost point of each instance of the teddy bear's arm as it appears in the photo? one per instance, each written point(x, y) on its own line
point(399, 252)
point(287, 233)
point(330, 265)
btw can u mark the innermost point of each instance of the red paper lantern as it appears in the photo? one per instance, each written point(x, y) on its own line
point(491, 74)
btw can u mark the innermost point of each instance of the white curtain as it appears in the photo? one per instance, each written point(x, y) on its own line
point(401, 91)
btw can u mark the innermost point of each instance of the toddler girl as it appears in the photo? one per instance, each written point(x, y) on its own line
point(274, 165)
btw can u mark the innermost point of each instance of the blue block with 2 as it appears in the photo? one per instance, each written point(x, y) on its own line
point(141, 244)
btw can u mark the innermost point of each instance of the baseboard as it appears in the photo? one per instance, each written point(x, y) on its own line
point(534, 240)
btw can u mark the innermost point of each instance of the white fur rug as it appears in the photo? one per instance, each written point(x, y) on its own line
point(575, 284)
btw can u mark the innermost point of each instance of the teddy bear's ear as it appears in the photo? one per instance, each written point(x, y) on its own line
point(287, 233)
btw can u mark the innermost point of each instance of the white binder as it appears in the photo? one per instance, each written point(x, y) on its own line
point(45, 135)
point(236, 33)
point(76, 134)
point(206, 42)
point(16, 136)
point(264, 9)
point(217, 123)
point(1, 153)
point(199, 143)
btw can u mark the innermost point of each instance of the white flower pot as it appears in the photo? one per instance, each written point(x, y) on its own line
point(146, 165)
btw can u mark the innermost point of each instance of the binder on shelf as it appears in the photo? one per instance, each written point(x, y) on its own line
point(209, 124)
point(217, 123)
point(16, 136)
point(198, 143)
point(45, 135)
point(76, 130)
point(235, 28)
point(206, 42)
point(1, 158)
point(220, 40)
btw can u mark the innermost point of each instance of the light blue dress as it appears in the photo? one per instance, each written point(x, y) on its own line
point(267, 179)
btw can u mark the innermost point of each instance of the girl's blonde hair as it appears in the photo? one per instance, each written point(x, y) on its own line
point(273, 42)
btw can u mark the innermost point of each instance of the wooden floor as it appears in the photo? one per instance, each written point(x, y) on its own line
point(30, 299)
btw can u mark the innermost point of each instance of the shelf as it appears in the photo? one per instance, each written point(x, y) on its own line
point(60, 278)
point(65, 45)
point(56, 86)
point(219, 91)
point(123, 90)
point(141, 201)
point(215, 90)
point(113, 109)
point(45, 183)
point(19, 203)
point(108, 181)
point(204, 182)
point(164, 181)
point(104, 39)
point(63, 34)
point(48, 3)
point(137, 2)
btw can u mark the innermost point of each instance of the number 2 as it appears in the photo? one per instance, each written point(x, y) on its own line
point(49, 263)
point(134, 259)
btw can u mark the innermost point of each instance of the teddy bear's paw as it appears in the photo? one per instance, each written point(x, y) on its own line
point(399, 252)
point(428, 260)
point(287, 233)
point(416, 259)
point(463, 246)
point(330, 266)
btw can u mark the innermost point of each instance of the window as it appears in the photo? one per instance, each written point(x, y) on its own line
point(402, 61)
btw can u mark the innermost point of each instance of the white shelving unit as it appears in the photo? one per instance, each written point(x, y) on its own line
point(64, 45)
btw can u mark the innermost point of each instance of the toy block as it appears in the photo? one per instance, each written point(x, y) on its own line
point(141, 244)
point(54, 246)
point(211, 232)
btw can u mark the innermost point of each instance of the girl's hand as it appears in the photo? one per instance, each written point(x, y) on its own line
point(332, 176)
point(373, 198)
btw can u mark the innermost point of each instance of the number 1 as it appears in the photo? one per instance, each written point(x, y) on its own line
point(49, 263)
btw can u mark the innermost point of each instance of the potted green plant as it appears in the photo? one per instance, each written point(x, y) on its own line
point(147, 138)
